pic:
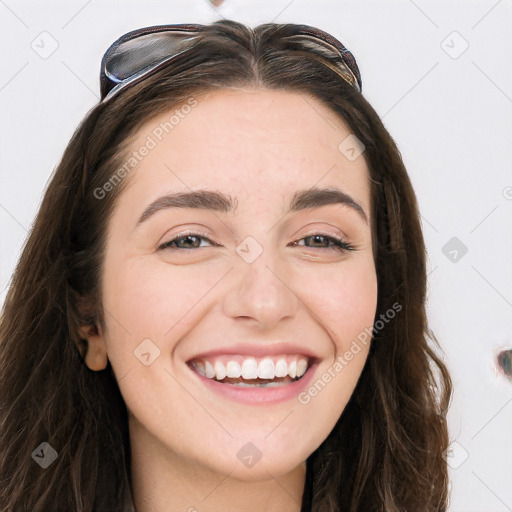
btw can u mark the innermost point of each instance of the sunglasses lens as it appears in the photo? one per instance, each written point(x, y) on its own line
point(136, 55)
point(130, 59)
point(345, 61)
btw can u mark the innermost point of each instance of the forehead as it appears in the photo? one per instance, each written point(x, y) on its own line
point(251, 141)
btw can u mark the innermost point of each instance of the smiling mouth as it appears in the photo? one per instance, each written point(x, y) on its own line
point(251, 371)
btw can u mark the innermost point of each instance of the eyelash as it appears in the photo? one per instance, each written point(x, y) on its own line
point(339, 244)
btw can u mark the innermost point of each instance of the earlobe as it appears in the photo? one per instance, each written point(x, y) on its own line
point(96, 351)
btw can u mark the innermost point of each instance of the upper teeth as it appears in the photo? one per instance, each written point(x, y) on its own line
point(251, 368)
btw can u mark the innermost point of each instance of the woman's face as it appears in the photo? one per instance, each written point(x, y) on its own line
point(247, 281)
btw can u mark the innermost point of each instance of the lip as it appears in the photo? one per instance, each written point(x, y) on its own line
point(259, 395)
point(258, 350)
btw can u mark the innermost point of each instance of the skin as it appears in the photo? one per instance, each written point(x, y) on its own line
point(258, 146)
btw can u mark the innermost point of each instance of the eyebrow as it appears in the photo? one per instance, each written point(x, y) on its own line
point(219, 202)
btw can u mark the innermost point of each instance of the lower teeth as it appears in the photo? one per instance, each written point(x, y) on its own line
point(271, 384)
point(266, 385)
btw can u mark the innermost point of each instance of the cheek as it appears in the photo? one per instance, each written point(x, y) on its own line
point(344, 298)
point(149, 299)
point(344, 301)
point(347, 307)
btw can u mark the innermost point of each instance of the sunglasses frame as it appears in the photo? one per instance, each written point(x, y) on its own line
point(111, 85)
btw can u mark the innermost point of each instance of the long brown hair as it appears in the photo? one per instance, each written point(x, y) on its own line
point(385, 452)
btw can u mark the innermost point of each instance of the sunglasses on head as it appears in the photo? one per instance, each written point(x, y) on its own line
point(142, 52)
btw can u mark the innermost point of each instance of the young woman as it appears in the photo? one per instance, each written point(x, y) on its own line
point(221, 303)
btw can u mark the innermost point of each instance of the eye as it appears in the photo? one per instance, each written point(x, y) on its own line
point(338, 244)
point(189, 240)
point(193, 241)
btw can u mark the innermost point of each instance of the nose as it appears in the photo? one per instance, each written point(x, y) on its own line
point(261, 292)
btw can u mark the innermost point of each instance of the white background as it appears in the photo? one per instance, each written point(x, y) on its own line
point(449, 111)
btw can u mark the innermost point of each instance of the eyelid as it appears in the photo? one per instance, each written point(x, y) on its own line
point(312, 231)
point(326, 232)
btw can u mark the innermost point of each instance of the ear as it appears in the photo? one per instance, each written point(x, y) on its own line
point(96, 350)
